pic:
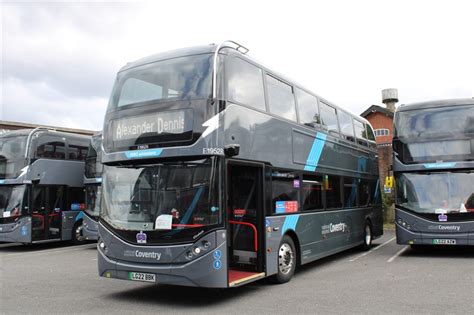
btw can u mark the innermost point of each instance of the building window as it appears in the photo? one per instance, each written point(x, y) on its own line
point(381, 132)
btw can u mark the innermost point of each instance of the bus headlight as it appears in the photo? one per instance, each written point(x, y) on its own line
point(196, 250)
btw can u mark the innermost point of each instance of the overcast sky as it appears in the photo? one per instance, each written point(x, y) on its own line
point(59, 58)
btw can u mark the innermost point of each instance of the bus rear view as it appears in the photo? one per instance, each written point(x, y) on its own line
point(433, 166)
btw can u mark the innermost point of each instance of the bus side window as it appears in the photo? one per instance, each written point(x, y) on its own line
point(307, 108)
point(363, 193)
point(75, 198)
point(312, 192)
point(350, 192)
point(329, 118)
point(51, 150)
point(332, 188)
point(281, 100)
point(77, 153)
point(347, 129)
point(285, 188)
point(361, 133)
point(245, 83)
point(371, 136)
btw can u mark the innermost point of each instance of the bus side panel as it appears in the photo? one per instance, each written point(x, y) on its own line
point(273, 232)
point(327, 232)
point(57, 172)
point(320, 234)
point(17, 232)
point(90, 228)
point(266, 138)
point(69, 218)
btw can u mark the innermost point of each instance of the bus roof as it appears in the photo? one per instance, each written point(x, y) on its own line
point(203, 49)
point(437, 103)
point(196, 50)
point(26, 132)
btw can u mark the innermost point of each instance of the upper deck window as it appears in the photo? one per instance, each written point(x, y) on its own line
point(329, 118)
point(280, 98)
point(307, 108)
point(245, 83)
point(182, 78)
point(361, 133)
point(345, 121)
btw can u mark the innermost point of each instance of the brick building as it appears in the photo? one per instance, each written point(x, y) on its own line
point(381, 120)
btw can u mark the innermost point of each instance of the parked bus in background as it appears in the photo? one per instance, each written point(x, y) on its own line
point(93, 188)
point(219, 172)
point(433, 148)
point(41, 185)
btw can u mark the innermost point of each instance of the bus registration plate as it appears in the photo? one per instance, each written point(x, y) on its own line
point(444, 241)
point(140, 276)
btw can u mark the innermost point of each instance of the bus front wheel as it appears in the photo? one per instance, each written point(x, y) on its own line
point(286, 261)
point(367, 242)
point(77, 235)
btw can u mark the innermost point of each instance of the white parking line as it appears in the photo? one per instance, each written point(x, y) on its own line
point(397, 254)
point(48, 251)
point(372, 250)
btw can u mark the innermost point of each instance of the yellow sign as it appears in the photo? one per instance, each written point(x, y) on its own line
point(389, 181)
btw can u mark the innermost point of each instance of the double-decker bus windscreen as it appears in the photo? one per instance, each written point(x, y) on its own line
point(11, 198)
point(12, 156)
point(93, 197)
point(177, 79)
point(431, 134)
point(436, 193)
point(93, 167)
point(172, 201)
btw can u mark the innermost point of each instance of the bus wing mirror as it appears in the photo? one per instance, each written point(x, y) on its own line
point(232, 149)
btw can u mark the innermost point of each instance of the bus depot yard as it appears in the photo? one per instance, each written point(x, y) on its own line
point(390, 278)
point(204, 179)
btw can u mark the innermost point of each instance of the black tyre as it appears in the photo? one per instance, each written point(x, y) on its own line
point(286, 261)
point(367, 241)
point(77, 236)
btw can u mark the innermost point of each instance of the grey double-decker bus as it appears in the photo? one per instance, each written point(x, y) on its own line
point(433, 148)
point(93, 188)
point(41, 185)
point(219, 172)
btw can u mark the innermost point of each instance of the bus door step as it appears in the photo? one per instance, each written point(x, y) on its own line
point(239, 277)
point(244, 257)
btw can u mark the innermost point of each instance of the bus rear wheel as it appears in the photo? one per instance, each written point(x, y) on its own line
point(77, 235)
point(367, 242)
point(286, 261)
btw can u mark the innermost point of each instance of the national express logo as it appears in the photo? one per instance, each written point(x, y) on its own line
point(333, 228)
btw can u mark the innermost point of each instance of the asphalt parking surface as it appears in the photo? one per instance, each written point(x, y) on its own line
point(58, 278)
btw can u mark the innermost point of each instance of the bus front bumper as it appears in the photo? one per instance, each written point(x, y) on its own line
point(206, 270)
point(16, 232)
point(413, 230)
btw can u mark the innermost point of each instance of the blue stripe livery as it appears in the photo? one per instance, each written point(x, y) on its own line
point(439, 165)
point(290, 223)
point(2, 181)
point(143, 153)
point(315, 153)
point(79, 216)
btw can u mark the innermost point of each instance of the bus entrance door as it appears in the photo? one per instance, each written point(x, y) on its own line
point(245, 215)
point(46, 215)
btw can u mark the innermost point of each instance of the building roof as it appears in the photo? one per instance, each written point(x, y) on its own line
point(376, 108)
point(13, 125)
